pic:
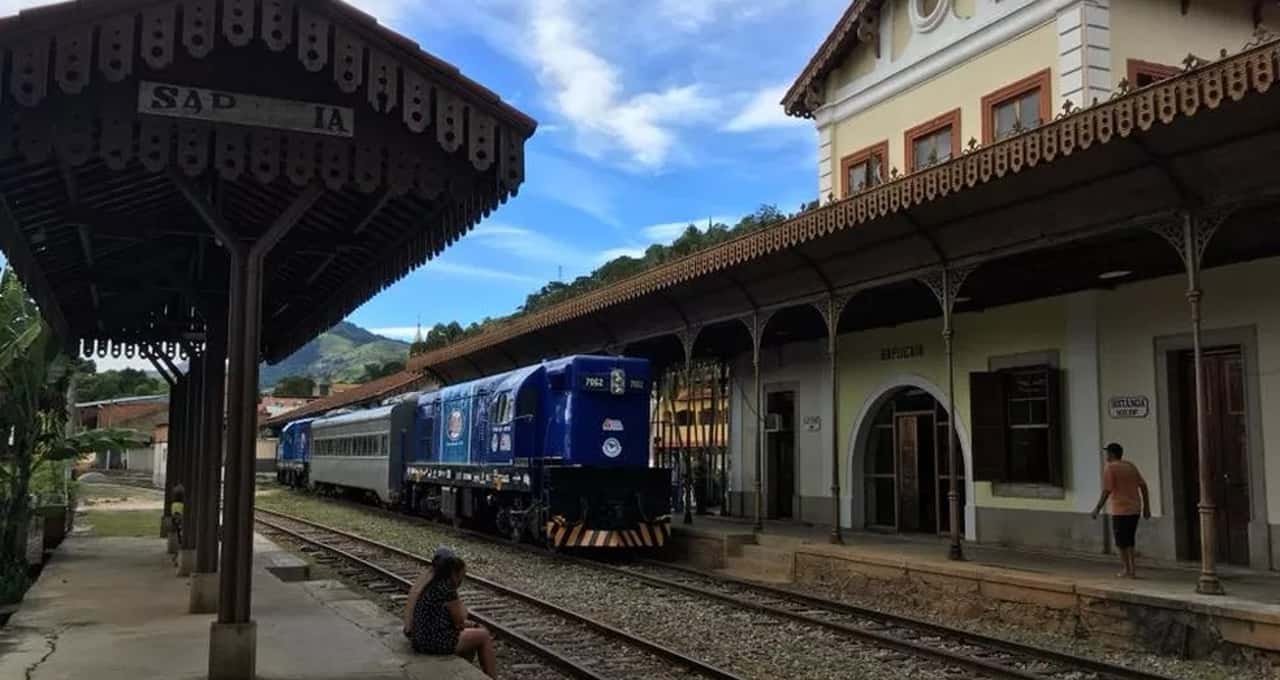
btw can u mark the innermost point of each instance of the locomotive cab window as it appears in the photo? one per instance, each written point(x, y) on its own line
point(501, 411)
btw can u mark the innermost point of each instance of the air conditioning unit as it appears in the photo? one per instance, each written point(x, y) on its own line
point(773, 422)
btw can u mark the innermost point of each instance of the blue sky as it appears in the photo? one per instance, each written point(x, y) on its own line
point(652, 114)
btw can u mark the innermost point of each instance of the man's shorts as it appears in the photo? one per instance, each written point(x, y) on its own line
point(1125, 528)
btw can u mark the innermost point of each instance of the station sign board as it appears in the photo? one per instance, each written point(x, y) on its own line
point(219, 106)
point(1129, 407)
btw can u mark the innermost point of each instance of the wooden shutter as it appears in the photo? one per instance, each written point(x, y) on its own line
point(990, 429)
point(1053, 383)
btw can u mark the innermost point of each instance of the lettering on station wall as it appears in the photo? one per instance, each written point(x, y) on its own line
point(1129, 407)
point(217, 106)
point(901, 352)
point(812, 423)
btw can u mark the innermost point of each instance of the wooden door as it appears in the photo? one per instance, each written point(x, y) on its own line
point(1226, 435)
point(908, 458)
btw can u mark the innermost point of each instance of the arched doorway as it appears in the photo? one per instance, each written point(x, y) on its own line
point(905, 472)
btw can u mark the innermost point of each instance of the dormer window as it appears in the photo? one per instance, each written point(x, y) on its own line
point(1020, 106)
point(864, 169)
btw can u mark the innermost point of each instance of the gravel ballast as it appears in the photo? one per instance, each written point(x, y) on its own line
point(751, 644)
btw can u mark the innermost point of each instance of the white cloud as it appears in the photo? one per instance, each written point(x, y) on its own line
point(615, 253)
point(473, 272)
point(691, 15)
point(764, 111)
point(527, 244)
point(405, 333)
point(587, 91)
point(670, 231)
point(8, 7)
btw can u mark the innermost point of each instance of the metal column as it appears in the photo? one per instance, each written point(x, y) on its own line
point(191, 444)
point(204, 578)
point(233, 637)
point(169, 468)
point(1190, 234)
point(689, 429)
point(757, 330)
point(834, 306)
point(945, 284)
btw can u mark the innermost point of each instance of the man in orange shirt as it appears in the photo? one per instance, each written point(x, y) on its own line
point(1124, 485)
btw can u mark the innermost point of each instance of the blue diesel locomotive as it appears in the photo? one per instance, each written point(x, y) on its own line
point(558, 451)
point(291, 453)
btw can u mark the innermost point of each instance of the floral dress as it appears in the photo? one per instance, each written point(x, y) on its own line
point(433, 629)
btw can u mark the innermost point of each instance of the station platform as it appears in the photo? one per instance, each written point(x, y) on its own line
point(1075, 593)
point(112, 609)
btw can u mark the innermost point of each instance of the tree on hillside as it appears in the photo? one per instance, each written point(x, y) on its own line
point(294, 386)
point(692, 240)
point(128, 382)
point(374, 371)
point(445, 334)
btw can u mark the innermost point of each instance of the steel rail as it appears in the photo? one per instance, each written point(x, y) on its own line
point(1076, 662)
point(569, 665)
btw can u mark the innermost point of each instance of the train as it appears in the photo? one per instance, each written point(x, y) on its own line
point(556, 452)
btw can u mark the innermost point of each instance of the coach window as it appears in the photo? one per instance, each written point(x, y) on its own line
point(1017, 425)
point(1016, 107)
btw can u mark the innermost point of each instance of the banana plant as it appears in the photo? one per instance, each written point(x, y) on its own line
point(35, 379)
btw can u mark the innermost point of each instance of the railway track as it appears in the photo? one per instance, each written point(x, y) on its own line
point(570, 643)
point(984, 654)
point(980, 652)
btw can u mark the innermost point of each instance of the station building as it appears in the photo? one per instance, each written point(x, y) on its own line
point(1042, 384)
point(1067, 195)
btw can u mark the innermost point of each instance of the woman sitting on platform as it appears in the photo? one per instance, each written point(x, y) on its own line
point(436, 620)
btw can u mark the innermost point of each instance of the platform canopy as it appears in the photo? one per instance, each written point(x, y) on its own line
point(1049, 211)
point(127, 125)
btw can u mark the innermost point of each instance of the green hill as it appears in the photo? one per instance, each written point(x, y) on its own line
point(338, 355)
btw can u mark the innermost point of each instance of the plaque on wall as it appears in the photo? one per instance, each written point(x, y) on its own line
point(1129, 407)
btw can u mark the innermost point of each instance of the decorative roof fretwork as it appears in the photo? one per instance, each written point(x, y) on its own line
point(1208, 87)
point(109, 107)
point(399, 81)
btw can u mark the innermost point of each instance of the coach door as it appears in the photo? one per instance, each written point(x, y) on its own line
point(1226, 436)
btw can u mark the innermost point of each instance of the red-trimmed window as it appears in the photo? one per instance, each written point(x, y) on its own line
point(933, 141)
point(1143, 73)
point(864, 169)
point(1018, 106)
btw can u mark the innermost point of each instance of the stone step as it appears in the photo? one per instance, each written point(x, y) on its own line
point(779, 541)
point(771, 553)
point(761, 567)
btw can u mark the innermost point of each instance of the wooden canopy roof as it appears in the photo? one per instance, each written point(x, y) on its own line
point(115, 113)
point(1043, 212)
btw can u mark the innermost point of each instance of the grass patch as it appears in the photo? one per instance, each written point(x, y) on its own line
point(123, 523)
